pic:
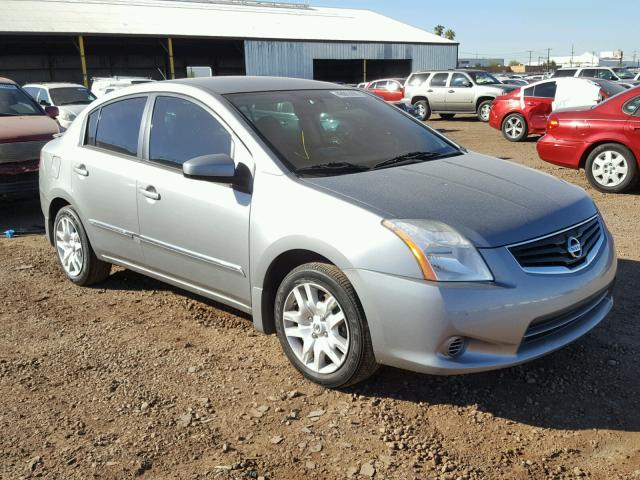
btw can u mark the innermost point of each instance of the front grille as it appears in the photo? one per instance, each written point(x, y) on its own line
point(548, 326)
point(21, 151)
point(553, 252)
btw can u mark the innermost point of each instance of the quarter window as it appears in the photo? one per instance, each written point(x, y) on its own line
point(181, 130)
point(439, 80)
point(528, 92)
point(631, 107)
point(418, 79)
point(119, 126)
point(92, 126)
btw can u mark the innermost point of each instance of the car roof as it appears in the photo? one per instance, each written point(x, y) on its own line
point(237, 84)
point(6, 80)
point(53, 84)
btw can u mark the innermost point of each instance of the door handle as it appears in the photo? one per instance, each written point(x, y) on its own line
point(452, 91)
point(429, 91)
point(150, 192)
point(81, 170)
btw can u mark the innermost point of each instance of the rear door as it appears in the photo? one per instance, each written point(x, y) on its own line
point(631, 109)
point(437, 91)
point(104, 171)
point(538, 104)
point(460, 95)
point(194, 232)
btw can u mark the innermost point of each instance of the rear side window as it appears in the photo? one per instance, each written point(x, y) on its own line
point(528, 92)
point(119, 126)
point(545, 90)
point(182, 130)
point(439, 80)
point(418, 79)
point(631, 107)
point(565, 73)
point(588, 72)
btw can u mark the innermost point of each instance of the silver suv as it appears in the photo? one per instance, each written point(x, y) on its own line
point(450, 92)
point(359, 243)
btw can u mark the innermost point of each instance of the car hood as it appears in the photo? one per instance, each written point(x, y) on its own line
point(74, 109)
point(27, 128)
point(492, 202)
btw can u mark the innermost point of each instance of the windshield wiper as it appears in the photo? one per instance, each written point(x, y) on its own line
point(340, 167)
point(407, 159)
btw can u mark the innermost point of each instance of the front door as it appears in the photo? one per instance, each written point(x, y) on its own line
point(460, 95)
point(104, 175)
point(539, 105)
point(194, 232)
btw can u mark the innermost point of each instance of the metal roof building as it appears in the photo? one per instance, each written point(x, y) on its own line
point(45, 40)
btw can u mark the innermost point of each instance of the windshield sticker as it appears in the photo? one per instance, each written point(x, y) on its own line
point(348, 93)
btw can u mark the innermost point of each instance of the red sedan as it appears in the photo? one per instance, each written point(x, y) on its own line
point(390, 89)
point(604, 140)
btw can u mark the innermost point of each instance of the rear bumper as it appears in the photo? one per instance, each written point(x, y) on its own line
point(494, 118)
point(566, 153)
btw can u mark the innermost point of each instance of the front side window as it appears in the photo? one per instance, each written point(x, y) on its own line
point(632, 106)
point(71, 96)
point(460, 80)
point(15, 102)
point(333, 128)
point(119, 125)
point(439, 80)
point(182, 130)
point(605, 74)
point(483, 78)
point(545, 90)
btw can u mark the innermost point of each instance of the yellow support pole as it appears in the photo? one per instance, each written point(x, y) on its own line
point(364, 71)
point(83, 61)
point(172, 69)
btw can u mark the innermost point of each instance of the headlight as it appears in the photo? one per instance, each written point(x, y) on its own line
point(442, 253)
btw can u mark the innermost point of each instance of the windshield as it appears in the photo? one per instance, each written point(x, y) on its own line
point(15, 102)
point(71, 96)
point(624, 73)
point(341, 130)
point(483, 78)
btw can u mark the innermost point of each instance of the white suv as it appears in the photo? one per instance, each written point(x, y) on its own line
point(616, 74)
point(70, 98)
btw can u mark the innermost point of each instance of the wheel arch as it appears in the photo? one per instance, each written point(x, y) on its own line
point(600, 142)
point(58, 201)
point(483, 99)
point(417, 98)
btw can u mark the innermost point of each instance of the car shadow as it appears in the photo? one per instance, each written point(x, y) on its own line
point(447, 130)
point(592, 383)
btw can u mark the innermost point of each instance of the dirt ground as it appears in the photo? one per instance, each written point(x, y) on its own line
point(136, 378)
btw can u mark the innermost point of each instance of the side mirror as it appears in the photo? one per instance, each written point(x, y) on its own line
point(53, 112)
point(219, 168)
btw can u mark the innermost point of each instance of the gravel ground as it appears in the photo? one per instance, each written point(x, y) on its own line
point(136, 378)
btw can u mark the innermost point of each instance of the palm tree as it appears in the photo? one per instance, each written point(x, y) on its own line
point(438, 30)
point(450, 34)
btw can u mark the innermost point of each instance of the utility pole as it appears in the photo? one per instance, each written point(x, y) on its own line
point(571, 62)
point(530, 53)
point(548, 57)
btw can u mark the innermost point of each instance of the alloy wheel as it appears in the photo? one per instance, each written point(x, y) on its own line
point(610, 168)
point(514, 127)
point(69, 247)
point(316, 328)
point(485, 111)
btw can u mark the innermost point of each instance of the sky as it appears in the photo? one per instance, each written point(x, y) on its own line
point(506, 29)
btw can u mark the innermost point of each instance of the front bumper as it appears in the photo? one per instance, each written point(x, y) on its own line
point(19, 178)
point(411, 320)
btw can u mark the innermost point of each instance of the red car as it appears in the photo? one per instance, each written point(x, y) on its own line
point(25, 127)
point(390, 89)
point(604, 140)
point(525, 111)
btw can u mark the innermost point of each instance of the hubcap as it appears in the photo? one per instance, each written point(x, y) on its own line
point(421, 110)
point(514, 127)
point(69, 247)
point(610, 168)
point(484, 112)
point(316, 328)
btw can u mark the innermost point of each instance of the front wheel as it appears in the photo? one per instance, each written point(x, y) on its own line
point(612, 168)
point(484, 110)
point(75, 254)
point(322, 328)
point(514, 128)
point(423, 111)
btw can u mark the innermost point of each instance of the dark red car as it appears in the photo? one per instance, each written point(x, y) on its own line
point(24, 129)
point(525, 111)
point(390, 89)
point(604, 140)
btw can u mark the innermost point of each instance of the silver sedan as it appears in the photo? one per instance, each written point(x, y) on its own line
point(355, 232)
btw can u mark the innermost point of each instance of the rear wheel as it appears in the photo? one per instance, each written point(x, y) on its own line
point(514, 128)
point(447, 116)
point(423, 111)
point(322, 328)
point(612, 168)
point(75, 254)
point(484, 110)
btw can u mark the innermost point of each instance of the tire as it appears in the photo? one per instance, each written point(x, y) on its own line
point(447, 116)
point(514, 128)
point(484, 110)
point(612, 168)
point(69, 235)
point(354, 361)
point(423, 110)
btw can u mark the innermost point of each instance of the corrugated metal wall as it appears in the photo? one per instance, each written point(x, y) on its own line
point(295, 59)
